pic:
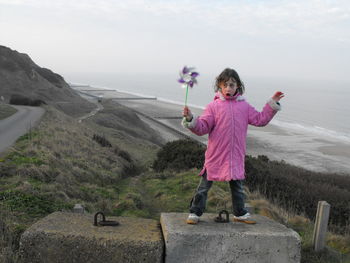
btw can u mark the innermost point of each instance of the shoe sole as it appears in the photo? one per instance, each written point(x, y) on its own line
point(246, 221)
point(191, 222)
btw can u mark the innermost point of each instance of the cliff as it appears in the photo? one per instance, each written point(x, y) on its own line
point(19, 75)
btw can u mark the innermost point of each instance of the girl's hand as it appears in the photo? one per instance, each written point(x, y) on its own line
point(277, 96)
point(187, 113)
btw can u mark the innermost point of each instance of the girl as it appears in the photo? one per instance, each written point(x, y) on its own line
point(226, 120)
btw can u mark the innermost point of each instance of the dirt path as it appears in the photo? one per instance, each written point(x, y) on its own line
point(94, 99)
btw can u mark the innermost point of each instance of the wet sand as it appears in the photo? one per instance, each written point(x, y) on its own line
point(305, 150)
point(309, 151)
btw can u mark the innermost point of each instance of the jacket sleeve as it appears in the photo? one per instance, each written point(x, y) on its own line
point(201, 125)
point(265, 116)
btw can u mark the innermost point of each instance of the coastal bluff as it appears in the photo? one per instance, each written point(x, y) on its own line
point(71, 237)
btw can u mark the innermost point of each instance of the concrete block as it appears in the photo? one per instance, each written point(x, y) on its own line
point(71, 237)
point(265, 242)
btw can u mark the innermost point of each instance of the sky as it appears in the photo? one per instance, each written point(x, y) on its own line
point(302, 39)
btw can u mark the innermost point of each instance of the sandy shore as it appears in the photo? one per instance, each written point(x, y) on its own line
point(306, 150)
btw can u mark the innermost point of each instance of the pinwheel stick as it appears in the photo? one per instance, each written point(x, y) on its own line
point(186, 95)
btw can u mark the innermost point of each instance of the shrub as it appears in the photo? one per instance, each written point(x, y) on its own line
point(101, 140)
point(180, 155)
point(17, 99)
point(125, 155)
point(130, 169)
point(300, 190)
point(37, 102)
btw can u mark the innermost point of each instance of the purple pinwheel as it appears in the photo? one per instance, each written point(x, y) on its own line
point(188, 78)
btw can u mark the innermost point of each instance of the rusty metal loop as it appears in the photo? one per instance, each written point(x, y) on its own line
point(220, 219)
point(103, 222)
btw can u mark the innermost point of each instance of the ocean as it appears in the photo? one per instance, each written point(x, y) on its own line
point(318, 108)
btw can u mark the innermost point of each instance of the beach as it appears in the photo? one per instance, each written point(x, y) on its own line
point(313, 152)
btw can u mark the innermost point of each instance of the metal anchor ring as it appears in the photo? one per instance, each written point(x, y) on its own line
point(220, 219)
point(103, 222)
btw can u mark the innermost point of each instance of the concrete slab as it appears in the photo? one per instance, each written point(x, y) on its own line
point(71, 237)
point(265, 242)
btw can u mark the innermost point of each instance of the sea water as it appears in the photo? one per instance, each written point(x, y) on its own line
point(310, 106)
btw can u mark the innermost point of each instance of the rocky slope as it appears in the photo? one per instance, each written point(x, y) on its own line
point(19, 75)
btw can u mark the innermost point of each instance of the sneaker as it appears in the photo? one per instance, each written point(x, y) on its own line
point(192, 219)
point(244, 219)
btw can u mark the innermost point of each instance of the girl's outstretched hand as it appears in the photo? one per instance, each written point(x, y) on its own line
point(187, 113)
point(277, 96)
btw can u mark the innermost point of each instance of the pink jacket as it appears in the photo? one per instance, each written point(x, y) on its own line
point(226, 121)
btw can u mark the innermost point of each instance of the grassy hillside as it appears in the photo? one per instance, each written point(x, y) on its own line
point(59, 163)
point(107, 163)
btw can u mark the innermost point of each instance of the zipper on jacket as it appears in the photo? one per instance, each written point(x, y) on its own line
point(232, 134)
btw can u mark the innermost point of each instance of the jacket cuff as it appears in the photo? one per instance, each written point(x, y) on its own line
point(189, 124)
point(275, 105)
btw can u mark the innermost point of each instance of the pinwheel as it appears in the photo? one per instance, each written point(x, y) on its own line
point(188, 79)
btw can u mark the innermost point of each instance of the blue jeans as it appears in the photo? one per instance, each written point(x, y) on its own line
point(199, 200)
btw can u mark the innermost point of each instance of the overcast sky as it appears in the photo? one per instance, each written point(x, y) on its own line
point(303, 38)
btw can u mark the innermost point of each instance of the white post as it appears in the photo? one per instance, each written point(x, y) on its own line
point(321, 223)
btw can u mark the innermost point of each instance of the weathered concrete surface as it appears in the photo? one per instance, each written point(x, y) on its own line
point(264, 242)
point(70, 237)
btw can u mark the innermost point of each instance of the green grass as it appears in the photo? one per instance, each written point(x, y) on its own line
point(6, 111)
point(58, 164)
point(151, 193)
point(28, 136)
point(30, 205)
point(35, 183)
point(18, 158)
point(103, 192)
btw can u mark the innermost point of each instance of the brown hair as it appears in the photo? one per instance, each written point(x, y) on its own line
point(227, 74)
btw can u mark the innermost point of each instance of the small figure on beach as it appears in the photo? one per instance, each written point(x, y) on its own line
point(226, 121)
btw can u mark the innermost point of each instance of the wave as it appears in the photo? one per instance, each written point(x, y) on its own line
point(315, 130)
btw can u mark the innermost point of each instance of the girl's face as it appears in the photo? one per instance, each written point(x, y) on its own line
point(228, 88)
